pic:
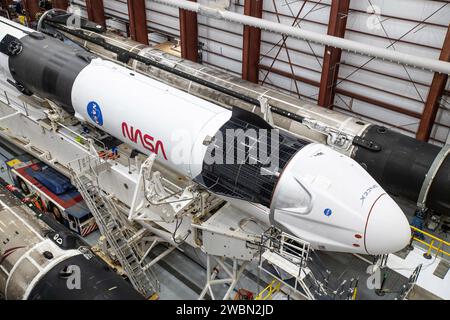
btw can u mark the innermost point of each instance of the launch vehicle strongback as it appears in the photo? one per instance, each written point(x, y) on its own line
point(306, 189)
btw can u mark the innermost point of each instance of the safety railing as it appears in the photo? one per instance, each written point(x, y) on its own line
point(268, 292)
point(434, 244)
point(11, 100)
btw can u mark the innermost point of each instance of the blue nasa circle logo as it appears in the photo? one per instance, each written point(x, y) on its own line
point(327, 212)
point(95, 113)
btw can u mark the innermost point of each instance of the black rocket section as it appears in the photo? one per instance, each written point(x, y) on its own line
point(257, 158)
point(401, 165)
point(47, 67)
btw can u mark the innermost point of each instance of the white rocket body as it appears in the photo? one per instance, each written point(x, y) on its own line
point(171, 123)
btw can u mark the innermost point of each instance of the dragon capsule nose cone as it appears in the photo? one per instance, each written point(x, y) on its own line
point(387, 229)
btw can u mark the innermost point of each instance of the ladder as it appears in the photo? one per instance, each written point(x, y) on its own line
point(113, 226)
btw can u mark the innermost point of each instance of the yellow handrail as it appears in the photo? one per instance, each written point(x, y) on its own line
point(355, 293)
point(430, 245)
point(268, 292)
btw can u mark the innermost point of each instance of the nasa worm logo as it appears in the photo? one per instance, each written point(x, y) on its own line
point(146, 140)
point(327, 212)
point(94, 112)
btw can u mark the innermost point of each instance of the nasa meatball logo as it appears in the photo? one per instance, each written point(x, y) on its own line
point(95, 113)
point(327, 212)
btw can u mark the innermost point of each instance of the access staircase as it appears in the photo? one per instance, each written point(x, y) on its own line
point(113, 225)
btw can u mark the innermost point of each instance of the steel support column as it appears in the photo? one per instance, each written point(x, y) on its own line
point(434, 95)
point(96, 11)
point(60, 4)
point(332, 56)
point(251, 42)
point(31, 8)
point(138, 21)
point(189, 34)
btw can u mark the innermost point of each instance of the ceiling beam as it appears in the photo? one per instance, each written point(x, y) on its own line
point(251, 47)
point(434, 95)
point(332, 56)
point(96, 11)
point(189, 34)
point(138, 21)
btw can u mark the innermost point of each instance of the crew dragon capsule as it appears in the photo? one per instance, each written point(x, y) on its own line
point(305, 189)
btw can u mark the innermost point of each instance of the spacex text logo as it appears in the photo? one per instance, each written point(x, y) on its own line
point(366, 193)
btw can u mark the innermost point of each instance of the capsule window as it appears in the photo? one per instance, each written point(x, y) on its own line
point(295, 199)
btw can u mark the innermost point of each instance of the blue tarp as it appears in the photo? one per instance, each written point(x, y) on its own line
point(52, 180)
